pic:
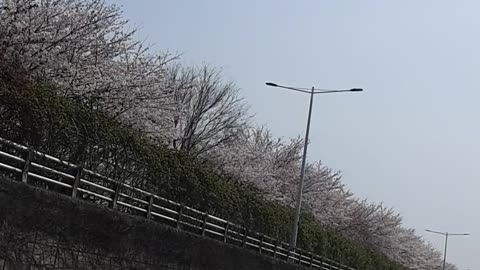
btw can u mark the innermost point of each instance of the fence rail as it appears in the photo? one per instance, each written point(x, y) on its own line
point(31, 166)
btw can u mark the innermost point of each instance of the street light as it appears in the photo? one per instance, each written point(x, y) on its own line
point(312, 92)
point(446, 234)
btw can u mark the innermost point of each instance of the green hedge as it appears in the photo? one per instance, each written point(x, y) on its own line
point(32, 113)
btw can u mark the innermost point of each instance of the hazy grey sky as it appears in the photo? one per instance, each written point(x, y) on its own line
point(411, 140)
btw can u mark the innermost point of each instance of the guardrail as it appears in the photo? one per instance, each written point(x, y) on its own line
point(33, 167)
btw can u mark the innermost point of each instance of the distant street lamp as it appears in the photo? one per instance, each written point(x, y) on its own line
point(446, 234)
point(312, 92)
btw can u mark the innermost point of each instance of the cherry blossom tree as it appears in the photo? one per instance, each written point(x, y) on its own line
point(273, 165)
point(88, 50)
point(259, 159)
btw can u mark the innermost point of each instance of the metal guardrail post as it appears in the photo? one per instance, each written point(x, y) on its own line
point(225, 235)
point(311, 260)
point(244, 240)
point(149, 208)
point(275, 249)
point(260, 244)
point(204, 225)
point(76, 183)
point(179, 218)
point(288, 252)
point(26, 168)
point(115, 196)
point(300, 257)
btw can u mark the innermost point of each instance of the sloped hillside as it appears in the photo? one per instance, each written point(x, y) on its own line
point(76, 83)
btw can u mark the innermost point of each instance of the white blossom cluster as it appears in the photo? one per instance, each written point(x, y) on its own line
point(273, 166)
point(85, 47)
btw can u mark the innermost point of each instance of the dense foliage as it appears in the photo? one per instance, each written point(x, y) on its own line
point(77, 84)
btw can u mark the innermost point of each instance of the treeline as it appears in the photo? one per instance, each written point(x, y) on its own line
point(77, 84)
point(34, 114)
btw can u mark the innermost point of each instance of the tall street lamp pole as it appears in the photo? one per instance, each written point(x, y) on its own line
point(447, 234)
point(312, 92)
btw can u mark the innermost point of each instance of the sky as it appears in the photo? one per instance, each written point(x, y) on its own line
point(410, 140)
